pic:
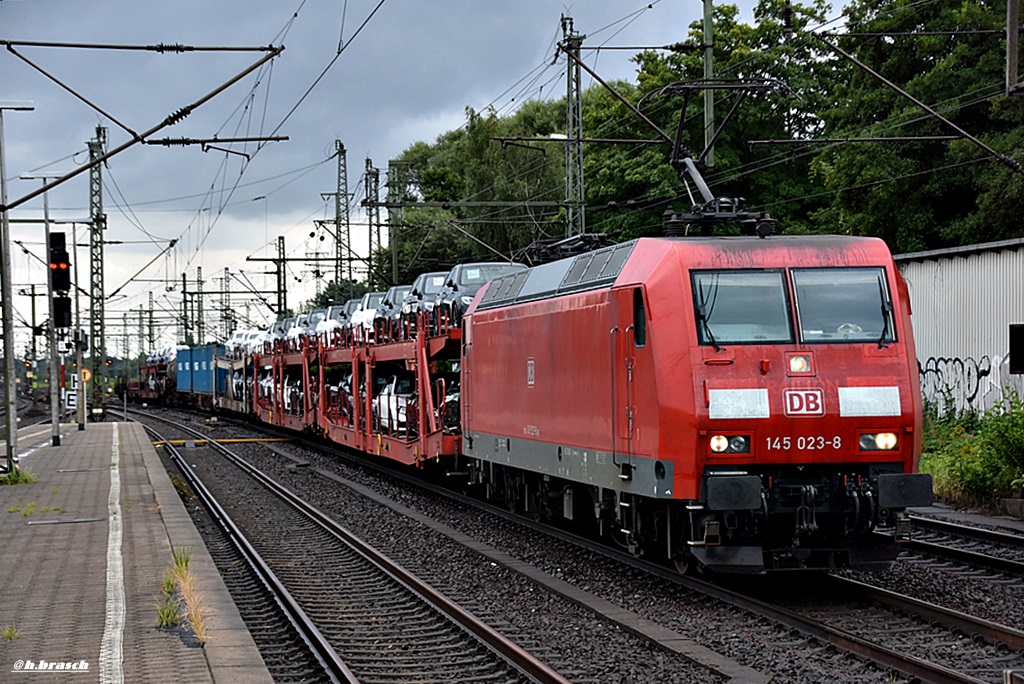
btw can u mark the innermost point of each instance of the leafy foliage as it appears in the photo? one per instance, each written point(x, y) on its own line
point(925, 194)
point(975, 460)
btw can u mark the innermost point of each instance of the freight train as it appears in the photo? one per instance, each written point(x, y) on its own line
point(741, 404)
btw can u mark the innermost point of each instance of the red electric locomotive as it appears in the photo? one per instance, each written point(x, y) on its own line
point(741, 403)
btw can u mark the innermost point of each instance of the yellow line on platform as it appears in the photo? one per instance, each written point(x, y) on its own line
point(179, 442)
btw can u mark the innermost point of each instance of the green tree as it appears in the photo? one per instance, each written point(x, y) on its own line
point(788, 86)
point(923, 194)
point(467, 169)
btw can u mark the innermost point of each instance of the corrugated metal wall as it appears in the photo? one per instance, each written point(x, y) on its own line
point(963, 303)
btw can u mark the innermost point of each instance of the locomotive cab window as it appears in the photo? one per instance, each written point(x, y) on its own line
point(737, 307)
point(842, 305)
point(639, 319)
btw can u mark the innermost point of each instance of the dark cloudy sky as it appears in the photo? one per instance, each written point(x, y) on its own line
point(408, 70)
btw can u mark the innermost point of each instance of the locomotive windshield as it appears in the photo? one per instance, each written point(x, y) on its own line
point(843, 304)
point(833, 305)
point(741, 306)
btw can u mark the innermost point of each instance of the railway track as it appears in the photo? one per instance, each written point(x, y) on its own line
point(1001, 551)
point(903, 628)
point(922, 641)
point(900, 637)
point(384, 623)
point(927, 641)
point(286, 639)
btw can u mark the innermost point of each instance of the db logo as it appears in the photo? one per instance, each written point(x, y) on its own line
point(531, 372)
point(808, 402)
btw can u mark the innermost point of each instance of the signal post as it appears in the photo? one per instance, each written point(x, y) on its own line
point(60, 313)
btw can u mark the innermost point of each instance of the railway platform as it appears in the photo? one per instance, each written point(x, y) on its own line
point(1005, 523)
point(83, 550)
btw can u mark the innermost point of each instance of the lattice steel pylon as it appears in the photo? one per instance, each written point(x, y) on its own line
point(142, 330)
point(152, 330)
point(99, 223)
point(200, 317)
point(282, 293)
point(342, 221)
point(398, 180)
point(186, 328)
point(372, 204)
point(226, 313)
point(575, 221)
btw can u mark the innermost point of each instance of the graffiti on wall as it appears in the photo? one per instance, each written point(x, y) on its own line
point(955, 383)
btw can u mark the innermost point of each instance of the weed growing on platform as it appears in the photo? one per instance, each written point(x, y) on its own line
point(179, 593)
point(18, 476)
point(29, 508)
point(195, 608)
point(10, 633)
point(185, 492)
point(168, 584)
point(14, 509)
point(168, 608)
point(181, 556)
point(168, 612)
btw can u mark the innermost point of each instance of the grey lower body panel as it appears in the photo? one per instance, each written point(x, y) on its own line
point(637, 475)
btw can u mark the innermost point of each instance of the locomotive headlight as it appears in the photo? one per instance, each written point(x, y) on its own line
point(799, 363)
point(738, 444)
point(730, 444)
point(881, 441)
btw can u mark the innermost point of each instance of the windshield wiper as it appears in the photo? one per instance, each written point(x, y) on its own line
point(886, 313)
point(707, 328)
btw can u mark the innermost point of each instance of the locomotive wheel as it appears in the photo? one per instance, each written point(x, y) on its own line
point(685, 566)
point(513, 496)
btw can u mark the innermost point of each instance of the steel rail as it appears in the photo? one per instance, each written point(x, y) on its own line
point(969, 531)
point(511, 652)
point(991, 631)
point(331, 662)
point(965, 556)
point(984, 560)
point(907, 664)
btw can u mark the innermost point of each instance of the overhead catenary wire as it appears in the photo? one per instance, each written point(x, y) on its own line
point(284, 119)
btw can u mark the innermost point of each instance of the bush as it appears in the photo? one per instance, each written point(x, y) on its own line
point(975, 460)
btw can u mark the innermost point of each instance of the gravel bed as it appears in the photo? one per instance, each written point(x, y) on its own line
point(581, 646)
point(756, 643)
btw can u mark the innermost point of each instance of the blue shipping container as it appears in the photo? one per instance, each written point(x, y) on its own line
point(204, 371)
point(184, 360)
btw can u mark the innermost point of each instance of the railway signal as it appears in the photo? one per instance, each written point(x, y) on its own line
point(60, 280)
point(61, 311)
point(60, 263)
